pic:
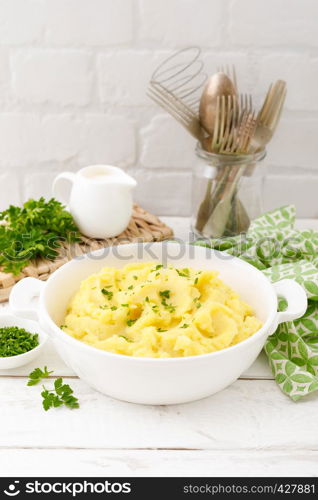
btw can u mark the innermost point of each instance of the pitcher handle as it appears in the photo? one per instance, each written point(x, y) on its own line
point(57, 185)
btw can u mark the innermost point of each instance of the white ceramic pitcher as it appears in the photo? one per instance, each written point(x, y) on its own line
point(100, 199)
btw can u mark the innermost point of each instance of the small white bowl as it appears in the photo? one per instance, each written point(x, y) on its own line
point(7, 363)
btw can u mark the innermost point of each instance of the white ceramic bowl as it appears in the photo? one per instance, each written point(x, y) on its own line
point(158, 381)
point(11, 362)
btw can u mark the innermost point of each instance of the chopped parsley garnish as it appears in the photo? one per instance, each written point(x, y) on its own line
point(198, 305)
point(147, 299)
point(15, 341)
point(185, 326)
point(113, 308)
point(196, 281)
point(169, 307)
point(135, 277)
point(185, 273)
point(165, 294)
point(124, 305)
point(158, 266)
point(161, 330)
point(125, 338)
point(108, 294)
point(130, 287)
point(130, 322)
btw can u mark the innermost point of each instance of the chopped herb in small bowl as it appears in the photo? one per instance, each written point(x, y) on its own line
point(15, 341)
point(21, 341)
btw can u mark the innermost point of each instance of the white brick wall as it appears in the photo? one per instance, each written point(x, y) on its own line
point(73, 76)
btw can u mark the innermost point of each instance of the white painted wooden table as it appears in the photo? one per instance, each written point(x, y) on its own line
point(249, 429)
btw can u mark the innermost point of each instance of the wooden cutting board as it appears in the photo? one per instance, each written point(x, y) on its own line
point(143, 227)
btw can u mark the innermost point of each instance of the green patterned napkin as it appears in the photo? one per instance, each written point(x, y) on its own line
point(280, 251)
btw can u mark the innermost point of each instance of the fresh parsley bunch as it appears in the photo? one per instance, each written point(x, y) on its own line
point(34, 230)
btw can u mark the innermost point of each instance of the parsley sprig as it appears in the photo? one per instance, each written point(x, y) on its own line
point(37, 375)
point(62, 394)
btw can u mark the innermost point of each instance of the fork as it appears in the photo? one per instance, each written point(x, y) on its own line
point(234, 124)
point(267, 119)
point(177, 108)
point(269, 115)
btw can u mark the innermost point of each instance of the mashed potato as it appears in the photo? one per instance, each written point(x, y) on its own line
point(147, 310)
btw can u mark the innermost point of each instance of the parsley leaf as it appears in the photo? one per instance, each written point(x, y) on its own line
point(37, 375)
point(61, 395)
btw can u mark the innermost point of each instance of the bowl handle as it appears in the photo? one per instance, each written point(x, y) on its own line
point(22, 295)
point(296, 299)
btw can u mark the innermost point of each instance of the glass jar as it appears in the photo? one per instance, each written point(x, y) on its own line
point(226, 193)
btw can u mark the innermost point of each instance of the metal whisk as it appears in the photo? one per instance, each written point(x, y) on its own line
point(176, 86)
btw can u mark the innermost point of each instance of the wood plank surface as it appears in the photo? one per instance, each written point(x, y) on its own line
point(248, 415)
point(134, 463)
